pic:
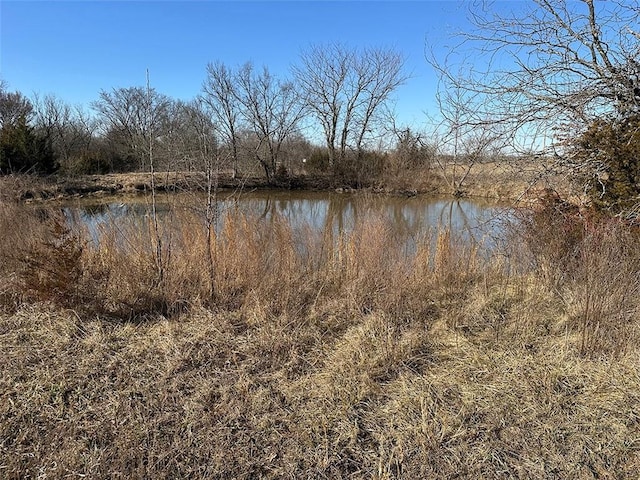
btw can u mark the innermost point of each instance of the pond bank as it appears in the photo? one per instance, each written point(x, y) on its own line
point(31, 188)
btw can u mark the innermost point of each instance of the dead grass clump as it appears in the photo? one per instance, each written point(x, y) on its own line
point(602, 292)
point(332, 403)
point(366, 266)
point(10, 215)
point(26, 187)
point(213, 396)
point(509, 311)
point(466, 410)
point(121, 272)
point(249, 264)
point(489, 415)
point(456, 264)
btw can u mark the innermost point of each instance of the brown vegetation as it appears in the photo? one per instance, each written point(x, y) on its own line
point(38, 188)
point(317, 356)
point(500, 179)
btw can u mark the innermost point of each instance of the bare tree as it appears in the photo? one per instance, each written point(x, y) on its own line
point(194, 136)
point(462, 136)
point(272, 109)
point(205, 146)
point(549, 66)
point(69, 129)
point(172, 150)
point(132, 114)
point(345, 88)
point(220, 95)
point(178, 141)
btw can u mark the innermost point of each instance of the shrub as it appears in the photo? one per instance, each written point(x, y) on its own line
point(22, 149)
point(608, 153)
point(591, 263)
point(318, 161)
point(51, 263)
point(360, 169)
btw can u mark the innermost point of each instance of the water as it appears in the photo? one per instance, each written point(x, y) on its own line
point(412, 218)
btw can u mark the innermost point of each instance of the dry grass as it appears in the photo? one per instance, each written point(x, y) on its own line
point(310, 356)
point(512, 179)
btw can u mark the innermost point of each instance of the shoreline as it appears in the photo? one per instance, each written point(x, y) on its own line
point(29, 188)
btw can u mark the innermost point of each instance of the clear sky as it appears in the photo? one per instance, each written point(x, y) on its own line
point(75, 49)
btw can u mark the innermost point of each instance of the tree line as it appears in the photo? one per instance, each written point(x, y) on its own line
point(244, 118)
point(553, 80)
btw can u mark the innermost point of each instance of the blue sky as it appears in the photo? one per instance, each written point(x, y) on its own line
point(75, 49)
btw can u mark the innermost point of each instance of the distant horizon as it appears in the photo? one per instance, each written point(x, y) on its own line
point(73, 50)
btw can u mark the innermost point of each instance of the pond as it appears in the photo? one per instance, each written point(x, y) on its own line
point(473, 220)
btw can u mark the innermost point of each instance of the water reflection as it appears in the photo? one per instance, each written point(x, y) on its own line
point(326, 213)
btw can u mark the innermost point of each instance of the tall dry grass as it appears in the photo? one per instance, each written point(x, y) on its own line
point(256, 264)
point(317, 355)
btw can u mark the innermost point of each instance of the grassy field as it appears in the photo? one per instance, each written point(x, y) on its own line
point(259, 352)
